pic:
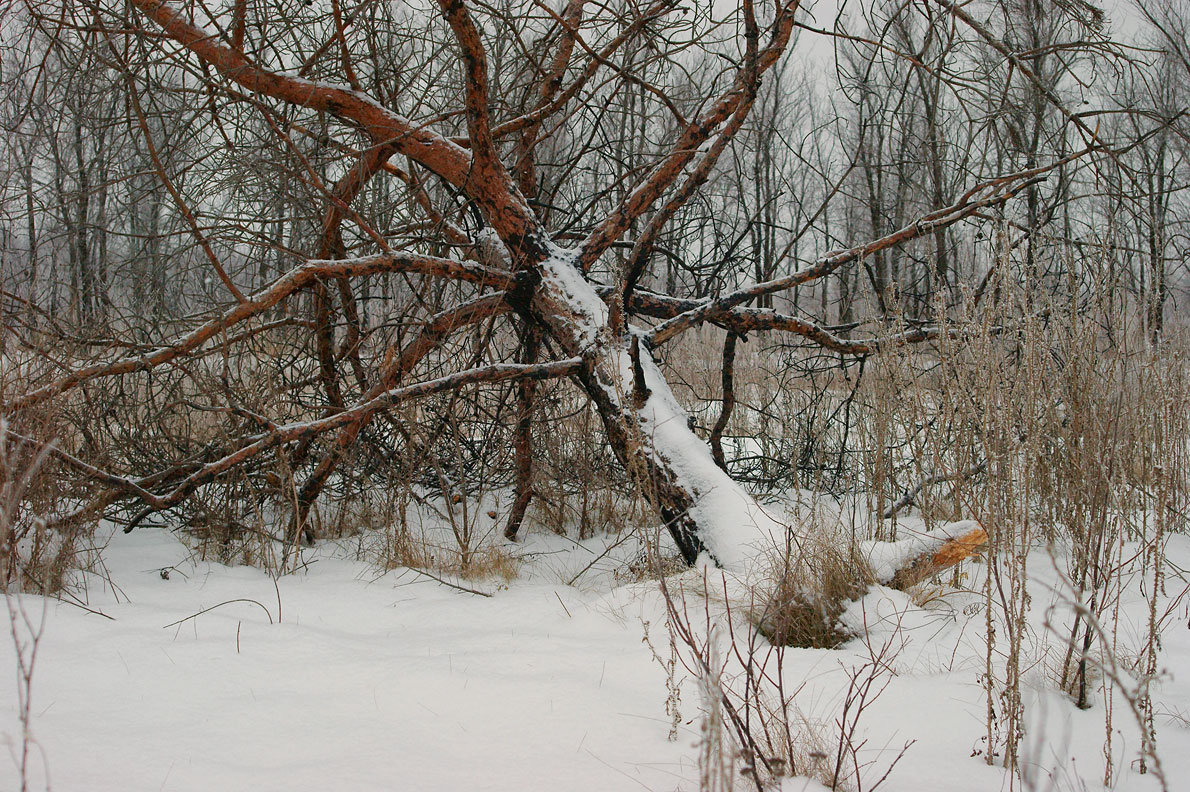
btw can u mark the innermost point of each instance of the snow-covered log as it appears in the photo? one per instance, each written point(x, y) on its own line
point(908, 561)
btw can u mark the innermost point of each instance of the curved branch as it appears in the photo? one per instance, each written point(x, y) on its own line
point(551, 83)
point(475, 81)
point(982, 196)
point(296, 279)
point(447, 159)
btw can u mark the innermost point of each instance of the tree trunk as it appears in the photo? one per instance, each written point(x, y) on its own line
point(703, 509)
point(523, 445)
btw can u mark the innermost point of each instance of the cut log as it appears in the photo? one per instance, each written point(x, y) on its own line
point(908, 562)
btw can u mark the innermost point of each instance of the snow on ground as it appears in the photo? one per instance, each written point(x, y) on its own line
point(370, 681)
point(364, 682)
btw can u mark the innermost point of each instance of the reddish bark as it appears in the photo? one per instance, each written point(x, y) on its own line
point(295, 280)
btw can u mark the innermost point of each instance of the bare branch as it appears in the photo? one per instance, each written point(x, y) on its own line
point(982, 196)
point(296, 279)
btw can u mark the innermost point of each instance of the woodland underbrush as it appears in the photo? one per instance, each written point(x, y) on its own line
point(1068, 442)
point(1069, 445)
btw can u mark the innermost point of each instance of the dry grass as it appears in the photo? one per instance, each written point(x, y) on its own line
point(810, 583)
point(37, 552)
point(1056, 424)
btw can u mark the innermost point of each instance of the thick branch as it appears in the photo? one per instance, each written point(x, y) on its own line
point(447, 159)
point(728, 381)
point(910, 495)
point(288, 433)
point(750, 78)
point(686, 147)
point(296, 279)
point(524, 438)
point(475, 81)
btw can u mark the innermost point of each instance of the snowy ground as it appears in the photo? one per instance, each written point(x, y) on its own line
point(376, 682)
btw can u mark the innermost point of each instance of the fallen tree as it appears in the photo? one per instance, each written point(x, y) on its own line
point(597, 323)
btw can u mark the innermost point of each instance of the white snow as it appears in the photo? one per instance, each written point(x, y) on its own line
point(561, 272)
point(370, 681)
point(365, 681)
point(492, 248)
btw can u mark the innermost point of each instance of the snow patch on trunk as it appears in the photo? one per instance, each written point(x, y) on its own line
point(735, 528)
point(560, 273)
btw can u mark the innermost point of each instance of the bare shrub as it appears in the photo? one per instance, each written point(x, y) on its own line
point(751, 717)
point(1051, 432)
point(580, 490)
point(34, 555)
point(793, 423)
